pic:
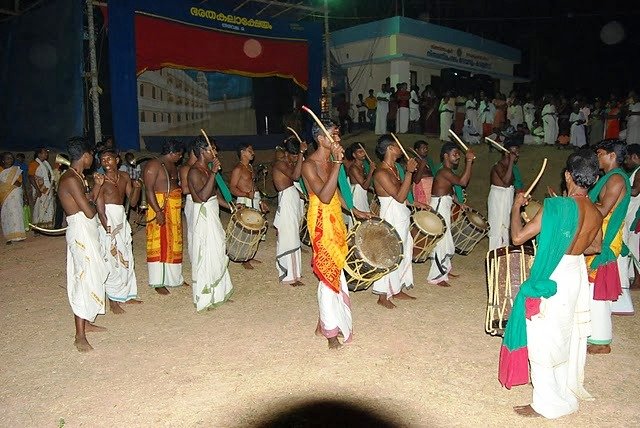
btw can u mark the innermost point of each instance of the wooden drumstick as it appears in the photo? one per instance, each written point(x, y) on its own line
point(458, 140)
point(414, 152)
point(206, 138)
point(497, 145)
point(293, 131)
point(317, 120)
point(365, 153)
point(400, 145)
point(533, 184)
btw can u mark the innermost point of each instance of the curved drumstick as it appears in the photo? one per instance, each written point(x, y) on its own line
point(365, 153)
point(293, 131)
point(414, 152)
point(458, 140)
point(317, 120)
point(497, 145)
point(400, 145)
point(533, 184)
point(206, 138)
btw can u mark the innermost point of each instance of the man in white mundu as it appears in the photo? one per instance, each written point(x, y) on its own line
point(115, 233)
point(472, 114)
point(40, 176)
point(550, 122)
point(442, 201)
point(447, 112)
point(382, 109)
point(503, 181)
point(289, 213)
point(392, 193)
point(554, 304)
point(211, 283)
point(629, 265)
point(359, 176)
point(87, 269)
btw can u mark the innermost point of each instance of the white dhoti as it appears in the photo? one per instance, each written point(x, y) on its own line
point(287, 220)
point(87, 269)
point(121, 285)
point(499, 208)
point(414, 114)
point(578, 137)
point(445, 248)
point(628, 265)
point(248, 202)
point(211, 283)
point(360, 202)
point(550, 128)
point(398, 216)
point(335, 310)
point(601, 326)
point(402, 120)
point(381, 117)
point(556, 341)
point(188, 215)
point(624, 305)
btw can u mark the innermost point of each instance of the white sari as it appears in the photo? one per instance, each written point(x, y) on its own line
point(43, 209)
point(11, 205)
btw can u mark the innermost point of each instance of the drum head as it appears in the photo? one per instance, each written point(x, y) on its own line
point(379, 243)
point(250, 218)
point(429, 221)
point(477, 219)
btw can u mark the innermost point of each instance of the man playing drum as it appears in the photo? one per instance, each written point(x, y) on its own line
point(115, 233)
point(210, 275)
point(289, 213)
point(188, 200)
point(242, 185)
point(423, 177)
point(87, 269)
point(442, 201)
point(359, 176)
point(328, 235)
point(164, 219)
point(611, 194)
point(505, 177)
point(392, 193)
point(549, 321)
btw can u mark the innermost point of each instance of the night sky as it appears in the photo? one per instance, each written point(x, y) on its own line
point(560, 40)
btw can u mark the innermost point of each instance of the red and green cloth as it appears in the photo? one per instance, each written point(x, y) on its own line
point(559, 226)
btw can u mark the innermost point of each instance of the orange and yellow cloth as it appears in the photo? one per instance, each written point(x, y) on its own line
point(164, 243)
point(328, 240)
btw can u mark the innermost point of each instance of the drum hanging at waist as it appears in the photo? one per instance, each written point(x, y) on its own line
point(244, 231)
point(468, 229)
point(427, 229)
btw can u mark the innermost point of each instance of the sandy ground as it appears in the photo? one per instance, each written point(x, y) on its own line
point(426, 363)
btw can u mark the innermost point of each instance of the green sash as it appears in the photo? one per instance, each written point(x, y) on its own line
point(224, 189)
point(345, 188)
point(615, 222)
point(517, 178)
point(634, 224)
point(303, 187)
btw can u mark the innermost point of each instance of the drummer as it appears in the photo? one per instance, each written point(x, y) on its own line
point(442, 201)
point(423, 177)
point(242, 186)
point(183, 170)
point(289, 213)
point(359, 176)
point(505, 177)
point(392, 193)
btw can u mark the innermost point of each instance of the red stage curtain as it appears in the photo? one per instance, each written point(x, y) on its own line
point(163, 43)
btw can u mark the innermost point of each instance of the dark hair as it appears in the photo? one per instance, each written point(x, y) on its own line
point(613, 145)
point(633, 149)
point(383, 144)
point(353, 147)
point(241, 147)
point(106, 150)
point(315, 129)
point(419, 144)
point(447, 147)
point(77, 147)
point(510, 143)
point(172, 146)
point(20, 156)
point(198, 145)
point(38, 150)
point(292, 145)
point(583, 168)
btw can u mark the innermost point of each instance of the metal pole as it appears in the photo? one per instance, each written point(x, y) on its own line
point(327, 55)
point(93, 73)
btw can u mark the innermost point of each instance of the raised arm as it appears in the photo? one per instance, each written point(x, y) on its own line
point(326, 190)
point(521, 234)
point(389, 185)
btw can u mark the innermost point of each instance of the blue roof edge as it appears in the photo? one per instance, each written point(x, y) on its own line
point(401, 25)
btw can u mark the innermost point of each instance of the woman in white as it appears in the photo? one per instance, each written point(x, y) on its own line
point(41, 178)
point(11, 200)
point(550, 122)
point(447, 112)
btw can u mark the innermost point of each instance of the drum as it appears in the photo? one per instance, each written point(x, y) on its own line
point(455, 211)
point(304, 229)
point(427, 228)
point(468, 229)
point(374, 206)
point(530, 210)
point(246, 227)
point(507, 269)
point(375, 249)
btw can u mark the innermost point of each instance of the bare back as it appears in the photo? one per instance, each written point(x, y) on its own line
point(589, 231)
point(183, 171)
point(71, 192)
point(281, 173)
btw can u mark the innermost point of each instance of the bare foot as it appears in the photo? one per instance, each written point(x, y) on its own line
point(453, 275)
point(598, 349)
point(526, 411)
point(90, 327)
point(115, 307)
point(403, 296)
point(318, 331)
point(297, 284)
point(383, 301)
point(443, 284)
point(133, 302)
point(186, 284)
point(635, 285)
point(82, 345)
point(162, 290)
point(334, 343)
point(247, 266)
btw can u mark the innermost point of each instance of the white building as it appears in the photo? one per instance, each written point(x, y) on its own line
point(416, 52)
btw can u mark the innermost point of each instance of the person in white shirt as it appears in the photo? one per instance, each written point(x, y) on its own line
point(633, 119)
point(382, 109)
point(515, 113)
point(414, 110)
point(529, 110)
point(471, 112)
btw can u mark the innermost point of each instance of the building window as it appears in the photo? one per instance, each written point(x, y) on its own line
point(141, 90)
point(142, 118)
point(153, 92)
point(168, 117)
point(178, 118)
point(161, 95)
point(155, 118)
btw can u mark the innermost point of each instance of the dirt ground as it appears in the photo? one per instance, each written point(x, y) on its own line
point(426, 363)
